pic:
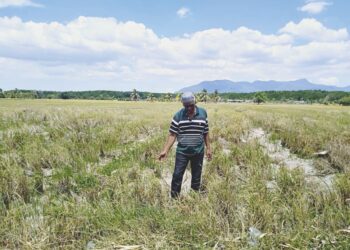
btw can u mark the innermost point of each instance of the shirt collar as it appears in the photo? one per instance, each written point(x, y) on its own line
point(197, 111)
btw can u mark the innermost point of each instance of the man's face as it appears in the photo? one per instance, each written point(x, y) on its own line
point(189, 108)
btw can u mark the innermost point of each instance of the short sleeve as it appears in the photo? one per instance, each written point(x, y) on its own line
point(206, 128)
point(174, 126)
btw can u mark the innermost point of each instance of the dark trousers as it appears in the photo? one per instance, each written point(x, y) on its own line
point(181, 162)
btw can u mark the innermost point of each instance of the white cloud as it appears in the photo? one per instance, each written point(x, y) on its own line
point(103, 53)
point(311, 29)
point(18, 3)
point(314, 7)
point(183, 12)
point(329, 80)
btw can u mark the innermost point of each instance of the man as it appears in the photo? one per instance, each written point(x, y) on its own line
point(190, 127)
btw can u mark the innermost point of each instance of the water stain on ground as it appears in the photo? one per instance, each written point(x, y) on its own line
point(186, 181)
point(282, 157)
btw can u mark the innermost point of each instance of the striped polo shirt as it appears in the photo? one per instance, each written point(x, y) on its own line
point(190, 132)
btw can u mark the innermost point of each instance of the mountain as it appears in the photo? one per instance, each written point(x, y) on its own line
point(246, 87)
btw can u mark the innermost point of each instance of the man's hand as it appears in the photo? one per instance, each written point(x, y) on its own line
point(209, 154)
point(170, 141)
point(162, 155)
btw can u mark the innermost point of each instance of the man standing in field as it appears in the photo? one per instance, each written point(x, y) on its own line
point(190, 127)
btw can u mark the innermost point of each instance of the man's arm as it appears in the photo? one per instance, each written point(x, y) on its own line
point(207, 145)
point(170, 141)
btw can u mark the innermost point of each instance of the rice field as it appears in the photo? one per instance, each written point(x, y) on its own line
point(85, 174)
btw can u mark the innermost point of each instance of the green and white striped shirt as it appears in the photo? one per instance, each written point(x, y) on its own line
point(190, 132)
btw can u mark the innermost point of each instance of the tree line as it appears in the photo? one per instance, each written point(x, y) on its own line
point(301, 96)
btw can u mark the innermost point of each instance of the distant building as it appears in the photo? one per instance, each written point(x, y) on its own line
point(238, 100)
point(298, 102)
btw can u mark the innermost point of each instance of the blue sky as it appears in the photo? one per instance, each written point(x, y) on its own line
point(165, 45)
point(264, 15)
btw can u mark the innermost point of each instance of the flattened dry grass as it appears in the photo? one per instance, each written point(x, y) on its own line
point(74, 172)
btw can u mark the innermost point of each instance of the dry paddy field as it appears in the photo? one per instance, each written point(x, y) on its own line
point(84, 174)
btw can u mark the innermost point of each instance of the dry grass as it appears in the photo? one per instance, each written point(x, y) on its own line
point(74, 172)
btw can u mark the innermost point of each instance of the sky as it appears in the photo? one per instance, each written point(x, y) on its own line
point(165, 45)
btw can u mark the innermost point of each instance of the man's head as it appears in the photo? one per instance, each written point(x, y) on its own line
point(188, 101)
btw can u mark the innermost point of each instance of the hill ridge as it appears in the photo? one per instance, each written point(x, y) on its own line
point(225, 86)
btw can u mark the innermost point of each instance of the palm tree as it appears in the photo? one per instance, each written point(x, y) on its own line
point(134, 96)
point(216, 96)
point(204, 95)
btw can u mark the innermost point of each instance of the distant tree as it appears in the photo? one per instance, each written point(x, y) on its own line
point(178, 97)
point(2, 95)
point(198, 97)
point(345, 101)
point(326, 100)
point(12, 94)
point(308, 96)
point(205, 96)
point(64, 95)
point(151, 97)
point(134, 96)
point(260, 97)
point(202, 96)
point(216, 96)
point(167, 97)
point(35, 94)
point(40, 94)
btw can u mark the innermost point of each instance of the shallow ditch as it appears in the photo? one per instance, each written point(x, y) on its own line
point(282, 157)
